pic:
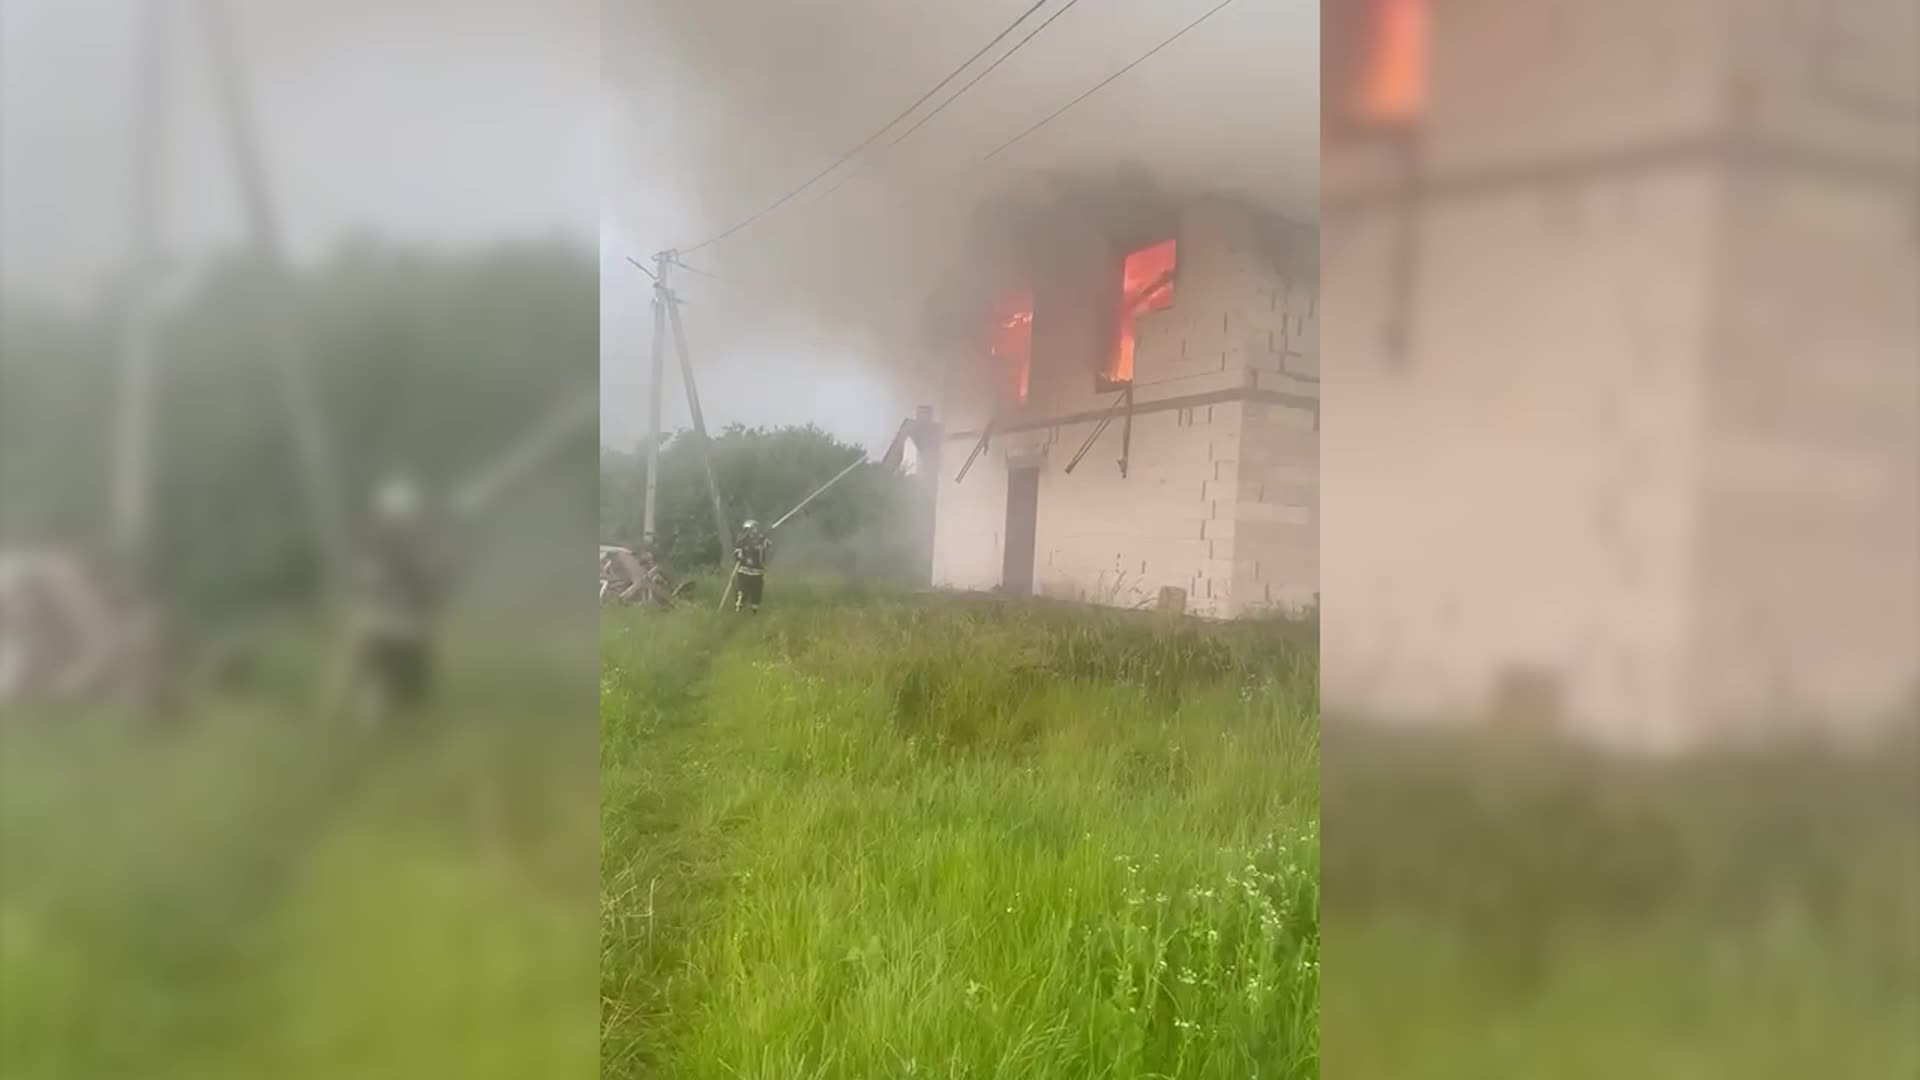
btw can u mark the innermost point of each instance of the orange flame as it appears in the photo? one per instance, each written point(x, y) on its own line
point(1012, 344)
point(1146, 283)
point(1393, 78)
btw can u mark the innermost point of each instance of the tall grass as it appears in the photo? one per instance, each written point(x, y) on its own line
point(257, 896)
point(1499, 909)
point(863, 836)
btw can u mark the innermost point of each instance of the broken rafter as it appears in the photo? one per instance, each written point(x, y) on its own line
point(1121, 406)
point(986, 435)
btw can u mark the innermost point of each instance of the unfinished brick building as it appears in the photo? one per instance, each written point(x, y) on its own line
point(1620, 338)
point(1177, 360)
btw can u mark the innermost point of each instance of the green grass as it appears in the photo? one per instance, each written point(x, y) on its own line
point(253, 896)
point(1502, 910)
point(865, 837)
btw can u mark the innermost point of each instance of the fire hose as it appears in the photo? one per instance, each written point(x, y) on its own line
point(783, 519)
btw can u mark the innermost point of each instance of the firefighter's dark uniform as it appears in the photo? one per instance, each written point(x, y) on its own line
point(396, 639)
point(750, 562)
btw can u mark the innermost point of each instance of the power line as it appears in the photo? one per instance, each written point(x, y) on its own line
point(902, 137)
point(1004, 57)
point(1049, 118)
point(869, 140)
point(842, 182)
point(689, 267)
point(1103, 84)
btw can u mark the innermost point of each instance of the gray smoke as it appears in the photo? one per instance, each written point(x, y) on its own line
point(715, 109)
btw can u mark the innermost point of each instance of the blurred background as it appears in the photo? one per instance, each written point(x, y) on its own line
point(1619, 507)
point(1621, 616)
point(298, 357)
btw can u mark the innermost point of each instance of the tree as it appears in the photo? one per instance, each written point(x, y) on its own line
point(430, 363)
point(858, 527)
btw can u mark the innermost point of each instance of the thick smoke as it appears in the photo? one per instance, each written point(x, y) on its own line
point(717, 109)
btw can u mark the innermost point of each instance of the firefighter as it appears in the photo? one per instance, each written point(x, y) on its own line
point(401, 590)
point(750, 556)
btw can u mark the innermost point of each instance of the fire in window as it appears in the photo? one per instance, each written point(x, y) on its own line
point(1377, 53)
point(1146, 282)
point(1012, 343)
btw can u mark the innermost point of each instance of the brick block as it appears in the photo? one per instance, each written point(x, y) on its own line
point(1275, 513)
point(1842, 82)
point(1289, 474)
point(1285, 446)
point(1278, 562)
point(1307, 495)
point(1216, 569)
point(1595, 76)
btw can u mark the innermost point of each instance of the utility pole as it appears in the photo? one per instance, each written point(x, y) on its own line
point(320, 485)
point(721, 529)
point(666, 309)
point(648, 520)
point(132, 480)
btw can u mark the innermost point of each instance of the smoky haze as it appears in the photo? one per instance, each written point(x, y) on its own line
point(814, 313)
point(346, 95)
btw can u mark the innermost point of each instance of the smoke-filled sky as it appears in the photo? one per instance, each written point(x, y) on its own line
point(716, 107)
point(444, 122)
point(459, 122)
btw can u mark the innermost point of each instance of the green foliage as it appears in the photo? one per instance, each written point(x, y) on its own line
point(857, 528)
point(428, 363)
point(54, 406)
point(871, 836)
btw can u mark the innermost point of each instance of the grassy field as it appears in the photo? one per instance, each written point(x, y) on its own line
point(254, 896)
point(1498, 909)
point(862, 837)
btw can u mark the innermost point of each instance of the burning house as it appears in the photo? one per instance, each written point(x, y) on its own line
point(1668, 248)
point(1134, 419)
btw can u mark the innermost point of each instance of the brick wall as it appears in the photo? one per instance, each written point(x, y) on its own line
point(1809, 556)
point(1518, 82)
point(1244, 317)
point(1809, 581)
point(1511, 493)
point(1838, 77)
point(970, 522)
point(1653, 432)
point(1274, 513)
point(1115, 541)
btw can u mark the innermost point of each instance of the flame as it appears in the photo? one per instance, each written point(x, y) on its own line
point(1012, 344)
point(1146, 283)
point(1393, 79)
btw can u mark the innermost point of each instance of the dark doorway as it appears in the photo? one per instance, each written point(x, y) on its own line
point(1023, 512)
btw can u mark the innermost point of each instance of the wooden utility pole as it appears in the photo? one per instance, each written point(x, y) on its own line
point(648, 520)
point(131, 510)
point(666, 309)
point(314, 449)
point(721, 528)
